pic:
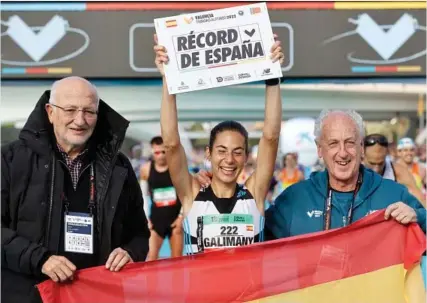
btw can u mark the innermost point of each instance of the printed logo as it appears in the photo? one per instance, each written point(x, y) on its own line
point(210, 17)
point(266, 72)
point(315, 213)
point(386, 43)
point(201, 82)
point(183, 86)
point(240, 194)
point(241, 13)
point(249, 228)
point(188, 20)
point(255, 10)
point(37, 44)
point(219, 79)
point(228, 78)
point(244, 76)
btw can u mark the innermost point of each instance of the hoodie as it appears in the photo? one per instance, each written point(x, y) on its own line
point(300, 208)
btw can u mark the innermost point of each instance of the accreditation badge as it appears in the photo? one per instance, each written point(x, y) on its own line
point(78, 233)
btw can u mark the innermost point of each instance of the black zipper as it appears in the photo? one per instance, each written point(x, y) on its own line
point(52, 183)
point(81, 172)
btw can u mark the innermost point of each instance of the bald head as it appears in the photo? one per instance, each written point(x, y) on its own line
point(73, 112)
point(72, 86)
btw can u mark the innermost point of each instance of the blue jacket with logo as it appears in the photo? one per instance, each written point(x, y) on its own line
point(299, 209)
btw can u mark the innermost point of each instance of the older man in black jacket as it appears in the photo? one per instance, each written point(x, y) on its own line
point(69, 199)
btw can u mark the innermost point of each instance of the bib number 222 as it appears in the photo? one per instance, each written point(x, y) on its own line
point(228, 230)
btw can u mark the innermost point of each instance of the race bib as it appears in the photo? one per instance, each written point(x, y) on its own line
point(224, 231)
point(79, 233)
point(165, 196)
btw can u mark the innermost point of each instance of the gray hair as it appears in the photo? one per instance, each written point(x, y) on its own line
point(54, 88)
point(355, 116)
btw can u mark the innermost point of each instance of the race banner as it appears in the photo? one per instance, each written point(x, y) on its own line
point(217, 48)
point(369, 261)
point(115, 39)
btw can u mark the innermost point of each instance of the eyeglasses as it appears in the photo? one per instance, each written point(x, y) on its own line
point(159, 152)
point(376, 139)
point(71, 112)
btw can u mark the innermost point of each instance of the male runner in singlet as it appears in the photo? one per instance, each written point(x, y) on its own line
point(406, 152)
point(376, 150)
point(165, 218)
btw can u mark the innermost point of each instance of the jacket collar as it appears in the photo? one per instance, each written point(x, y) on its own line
point(108, 135)
point(370, 182)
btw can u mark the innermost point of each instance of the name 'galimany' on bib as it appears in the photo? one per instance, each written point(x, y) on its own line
point(217, 48)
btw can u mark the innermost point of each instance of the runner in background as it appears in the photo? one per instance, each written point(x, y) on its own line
point(406, 152)
point(290, 173)
point(376, 158)
point(165, 219)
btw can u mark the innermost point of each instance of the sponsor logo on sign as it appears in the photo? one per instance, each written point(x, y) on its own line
point(228, 78)
point(210, 17)
point(266, 72)
point(188, 20)
point(183, 86)
point(225, 78)
point(171, 23)
point(204, 16)
point(244, 76)
point(255, 10)
point(241, 13)
point(249, 228)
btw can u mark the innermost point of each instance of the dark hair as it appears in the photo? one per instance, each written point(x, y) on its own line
point(156, 141)
point(228, 126)
point(286, 155)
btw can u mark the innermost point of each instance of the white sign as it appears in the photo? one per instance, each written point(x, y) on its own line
point(217, 48)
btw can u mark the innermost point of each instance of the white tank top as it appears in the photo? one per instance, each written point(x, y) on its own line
point(215, 223)
point(388, 170)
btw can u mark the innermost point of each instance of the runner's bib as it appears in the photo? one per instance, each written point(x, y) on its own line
point(79, 233)
point(224, 231)
point(165, 196)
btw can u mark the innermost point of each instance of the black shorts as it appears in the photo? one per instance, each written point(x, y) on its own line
point(163, 217)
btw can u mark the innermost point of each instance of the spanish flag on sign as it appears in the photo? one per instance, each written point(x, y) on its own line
point(369, 261)
point(171, 23)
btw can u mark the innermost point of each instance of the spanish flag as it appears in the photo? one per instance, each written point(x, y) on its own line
point(370, 261)
point(171, 23)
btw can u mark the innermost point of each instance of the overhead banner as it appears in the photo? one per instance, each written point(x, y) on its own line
point(114, 40)
point(217, 48)
point(369, 261)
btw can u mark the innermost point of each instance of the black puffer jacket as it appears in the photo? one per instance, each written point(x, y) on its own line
point(31, 216)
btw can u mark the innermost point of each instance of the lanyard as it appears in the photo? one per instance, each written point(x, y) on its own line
point(328, 204)
point(91, 192)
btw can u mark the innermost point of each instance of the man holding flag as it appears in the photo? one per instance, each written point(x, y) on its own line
point(345, 192)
